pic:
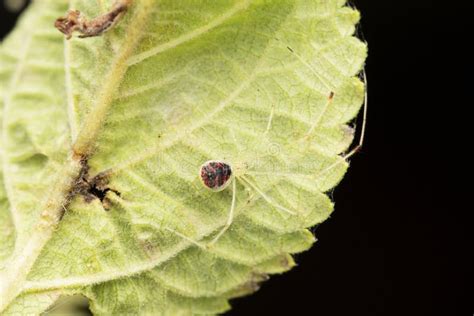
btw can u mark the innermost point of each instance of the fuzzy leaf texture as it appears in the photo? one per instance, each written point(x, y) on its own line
point(172, 85)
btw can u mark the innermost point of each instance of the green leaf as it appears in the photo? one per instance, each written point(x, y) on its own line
point(103, 138)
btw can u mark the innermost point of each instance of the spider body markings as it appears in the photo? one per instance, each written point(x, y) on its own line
point(216, 175)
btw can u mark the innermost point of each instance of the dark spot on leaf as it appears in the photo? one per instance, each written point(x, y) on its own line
point(251, 286)
point(92, 188)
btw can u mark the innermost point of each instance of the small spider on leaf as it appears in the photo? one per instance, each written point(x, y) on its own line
point(217, 175)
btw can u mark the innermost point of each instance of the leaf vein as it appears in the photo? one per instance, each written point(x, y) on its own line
point(191, 35)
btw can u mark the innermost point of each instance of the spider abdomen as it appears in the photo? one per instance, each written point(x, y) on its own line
point(216, 175)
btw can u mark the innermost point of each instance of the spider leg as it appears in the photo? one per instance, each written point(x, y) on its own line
point(325, 84)
point(360, 143)
point(230, 217)
point(320, 116)
point(194, 242)
point(265, 197)
point(318, 75)
point(270, 120)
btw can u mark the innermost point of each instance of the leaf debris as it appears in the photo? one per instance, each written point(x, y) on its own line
point(76, 21)
point(91, 188)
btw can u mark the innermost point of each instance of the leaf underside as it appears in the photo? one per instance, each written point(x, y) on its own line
point(172, 85)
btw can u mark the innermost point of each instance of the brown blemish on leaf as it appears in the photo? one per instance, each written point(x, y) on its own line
point(249, 287)
point(92, 187)
point(150, 248)
point(285, 262)
point(75, 21)
point(331, 96)
point(253, 285)
point(256, 279)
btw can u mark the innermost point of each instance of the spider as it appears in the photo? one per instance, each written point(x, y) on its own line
point(218, 175)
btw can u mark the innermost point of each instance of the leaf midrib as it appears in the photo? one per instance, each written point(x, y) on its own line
point(94, 120)
point(52, 206)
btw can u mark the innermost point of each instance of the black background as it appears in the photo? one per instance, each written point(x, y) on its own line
point(400, 240)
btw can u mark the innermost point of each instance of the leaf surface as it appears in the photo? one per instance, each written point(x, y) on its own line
point(141, 108)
